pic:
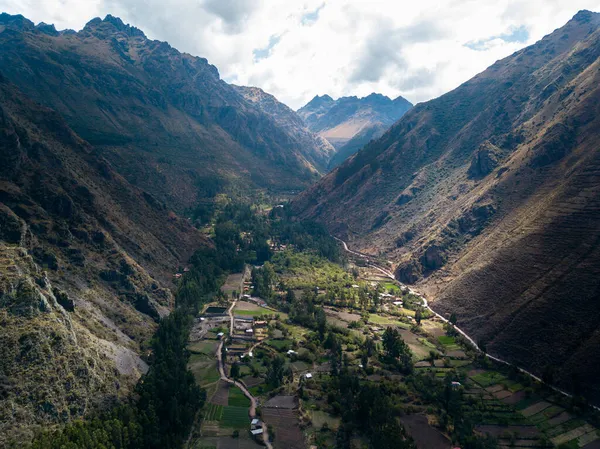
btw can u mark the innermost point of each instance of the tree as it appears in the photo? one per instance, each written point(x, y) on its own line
point(391, 342)
point(453, 319)
point(418, 316)
point(235, 371)
point(275, 371)
point(321, 319)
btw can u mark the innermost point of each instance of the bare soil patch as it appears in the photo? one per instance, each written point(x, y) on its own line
point(253, 381)
point(558, 420)
point(425, 436)
point(245, 305)
point(282, 402)
point(535, 408)
point(514, 398)
point(288, 434)
point(524, 432)
point(502, 394)
point(222, 394)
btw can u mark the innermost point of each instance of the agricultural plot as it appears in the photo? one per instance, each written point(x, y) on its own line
point(204, 347)
point(280, 345)
point(226, 442)
point(235, 417)
point(204, 369)
point(288, 434)
point(488, 378)
point(221, 395)
point(425, 436)
point(237, 398)
point(232, 284)
point(320, 418)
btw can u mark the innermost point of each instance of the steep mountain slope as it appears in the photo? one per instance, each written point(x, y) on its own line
point(164, 119)
point(320, 150)
point(86, 263)
point(350, 122)
point(488, 197)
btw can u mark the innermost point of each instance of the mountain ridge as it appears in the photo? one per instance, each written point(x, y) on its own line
point(86, 271)
point(351, 122)
point(165, 118)
point(464, 196)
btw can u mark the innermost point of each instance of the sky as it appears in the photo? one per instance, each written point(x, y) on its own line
point(296, 49)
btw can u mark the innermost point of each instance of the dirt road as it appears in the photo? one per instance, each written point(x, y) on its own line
point(240, 385)
point(460, 331)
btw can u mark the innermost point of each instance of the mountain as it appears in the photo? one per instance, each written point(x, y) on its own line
point(488, 198)
point(163, 119)
point(86, 266)
point(349, 123)
point(321, 150)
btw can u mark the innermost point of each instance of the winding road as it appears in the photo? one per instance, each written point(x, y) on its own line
point(240, 385)
point(390, 275)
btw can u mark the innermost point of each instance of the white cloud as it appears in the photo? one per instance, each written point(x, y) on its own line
point(295, 49)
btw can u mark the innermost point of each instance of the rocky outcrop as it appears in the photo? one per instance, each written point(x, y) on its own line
point(485, 160)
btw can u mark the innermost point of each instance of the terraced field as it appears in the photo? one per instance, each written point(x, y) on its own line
point(520, 418)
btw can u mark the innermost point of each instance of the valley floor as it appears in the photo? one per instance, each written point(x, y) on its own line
point(299, 411)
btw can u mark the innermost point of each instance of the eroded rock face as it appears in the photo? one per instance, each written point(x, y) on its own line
point(409, 272)
point(434, 257)
point(485, 160)
point(11, 226)
point(11, 152)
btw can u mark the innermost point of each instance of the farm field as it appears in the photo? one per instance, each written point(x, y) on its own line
point(286, 428)
point(424, 374)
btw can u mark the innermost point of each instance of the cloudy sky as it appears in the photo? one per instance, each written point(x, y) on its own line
point(295, 49)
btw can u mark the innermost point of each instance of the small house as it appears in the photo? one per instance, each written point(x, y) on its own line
point(308, 376)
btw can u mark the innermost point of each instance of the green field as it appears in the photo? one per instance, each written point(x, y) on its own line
point(446, 340)
point(204, 369)
point(203, 347)
point(237, 398)
point(257, 312)
point(383, 320)
point(391, 286)
point(214, 412)
point(235, 417)
point(488, 378)
point(229, 416)
point(280, 345)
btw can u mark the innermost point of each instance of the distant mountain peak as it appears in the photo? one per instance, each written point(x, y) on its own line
point(348, 123)
point(112, 24)
point(586, 16)
point(16, 21)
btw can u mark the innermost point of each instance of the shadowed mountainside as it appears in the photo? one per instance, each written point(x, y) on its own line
point(291, 122)
point(489, 199)
point(349, 123)
point(86, 262)
point(164, 119)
